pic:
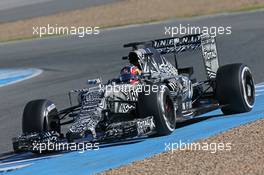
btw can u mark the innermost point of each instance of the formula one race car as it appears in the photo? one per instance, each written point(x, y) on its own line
point(149, 98)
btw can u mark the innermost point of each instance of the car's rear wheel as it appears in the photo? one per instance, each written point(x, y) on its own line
point(159, 105)
point(40, 116)
point(235, 89)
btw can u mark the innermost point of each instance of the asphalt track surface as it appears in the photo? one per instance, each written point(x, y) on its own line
point(12, 10)
point(68, 61)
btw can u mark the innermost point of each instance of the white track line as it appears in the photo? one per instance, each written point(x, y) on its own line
point(259, 90)
point(14, 167)
point(26, 160)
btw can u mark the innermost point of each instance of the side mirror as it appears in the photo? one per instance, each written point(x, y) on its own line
point(94, 81)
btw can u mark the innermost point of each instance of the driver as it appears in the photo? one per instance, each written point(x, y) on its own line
point(130, 74)
point(134, 60)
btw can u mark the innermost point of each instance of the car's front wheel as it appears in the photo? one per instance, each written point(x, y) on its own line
point(158, 104)
point(40, 116)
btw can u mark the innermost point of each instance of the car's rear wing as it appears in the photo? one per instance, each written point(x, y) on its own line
point(177, 44)
point(185, 43)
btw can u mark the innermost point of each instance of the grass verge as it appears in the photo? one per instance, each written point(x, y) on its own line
point(125, 12)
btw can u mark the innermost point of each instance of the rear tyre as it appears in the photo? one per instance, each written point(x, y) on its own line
point(235, 89)
point(40, 116)
point(159, 105)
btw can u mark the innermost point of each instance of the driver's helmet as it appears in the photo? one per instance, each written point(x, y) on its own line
point(130, 74)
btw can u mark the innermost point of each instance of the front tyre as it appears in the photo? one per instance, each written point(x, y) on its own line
point(235, 89)
point(40, 116)
point(158, 104)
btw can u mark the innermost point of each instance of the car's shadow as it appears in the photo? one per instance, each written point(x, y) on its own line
point(196, 120)
point(7, 157)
